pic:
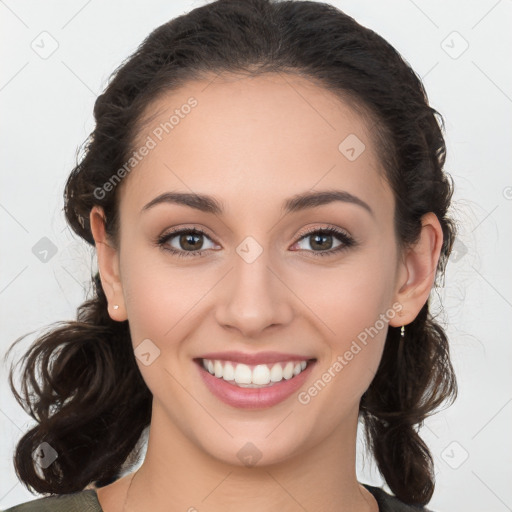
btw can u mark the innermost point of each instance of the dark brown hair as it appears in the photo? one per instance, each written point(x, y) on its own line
point(90, 402)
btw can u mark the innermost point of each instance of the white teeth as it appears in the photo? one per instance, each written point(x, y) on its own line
point(218, 369)
point(276, 373)
point(228, 371)
point(288, 371)
point(242, 374)
point(261, 375)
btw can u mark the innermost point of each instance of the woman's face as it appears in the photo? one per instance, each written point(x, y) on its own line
point(263, 283)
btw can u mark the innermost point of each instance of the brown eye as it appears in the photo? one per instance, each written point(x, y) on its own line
point(184, 242)
point(321, 241)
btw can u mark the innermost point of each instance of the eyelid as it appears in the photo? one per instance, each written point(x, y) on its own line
point(328, 227)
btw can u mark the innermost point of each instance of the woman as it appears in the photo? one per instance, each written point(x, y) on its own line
point(264, 188)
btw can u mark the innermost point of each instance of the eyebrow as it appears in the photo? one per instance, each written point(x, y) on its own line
point(299, 202)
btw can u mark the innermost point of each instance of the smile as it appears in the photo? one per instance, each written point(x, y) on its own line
point(253, 386)
point(254, 376)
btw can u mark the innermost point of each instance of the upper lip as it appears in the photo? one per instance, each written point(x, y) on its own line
point(254, 359)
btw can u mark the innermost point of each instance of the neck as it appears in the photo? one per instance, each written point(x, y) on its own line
point(178, 476)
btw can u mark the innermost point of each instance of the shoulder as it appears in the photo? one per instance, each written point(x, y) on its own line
point(82, 501)
point(389, 503)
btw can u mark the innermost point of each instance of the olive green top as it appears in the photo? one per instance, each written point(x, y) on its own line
point(82, 501)
point(87, 501)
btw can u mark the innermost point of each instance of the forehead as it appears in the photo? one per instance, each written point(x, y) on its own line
point(252, 140)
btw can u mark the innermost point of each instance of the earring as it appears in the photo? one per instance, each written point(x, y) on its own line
point(116, 306)
point(402, 331)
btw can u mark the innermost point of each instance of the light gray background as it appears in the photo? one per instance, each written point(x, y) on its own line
point(47, 102)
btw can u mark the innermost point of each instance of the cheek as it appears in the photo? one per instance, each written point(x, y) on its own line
point(352, 306)
point(348, 298)
point(161, 299)
point(161, 303)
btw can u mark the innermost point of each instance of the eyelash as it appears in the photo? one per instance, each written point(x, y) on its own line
point(347, 241)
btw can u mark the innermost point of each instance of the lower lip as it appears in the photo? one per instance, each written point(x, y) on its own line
point(253, 398)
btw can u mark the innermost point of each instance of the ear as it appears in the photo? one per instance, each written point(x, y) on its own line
point(417, 271)
point(108, 265)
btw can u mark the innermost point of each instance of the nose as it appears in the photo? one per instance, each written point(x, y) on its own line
point(253, 298)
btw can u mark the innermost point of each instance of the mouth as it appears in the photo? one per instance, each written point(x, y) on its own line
point(253, 376)
point(253, 386)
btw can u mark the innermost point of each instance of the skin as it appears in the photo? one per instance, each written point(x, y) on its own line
point(252, 143)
